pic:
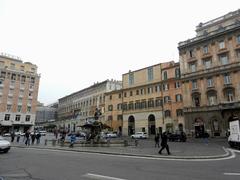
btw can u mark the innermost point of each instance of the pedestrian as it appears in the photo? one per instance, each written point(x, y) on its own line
point(27, 135)
point(33, 136)
point(18, 138)
point(12, 136)
point(38, 136)
point(157, 140)
point(73, 139)
point(164, 143)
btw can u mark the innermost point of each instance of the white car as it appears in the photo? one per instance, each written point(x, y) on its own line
point(139, 135)
point(4, 145)
point(111, 135)
point(7, 134)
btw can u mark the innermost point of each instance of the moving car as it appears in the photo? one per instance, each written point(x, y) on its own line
point(177, 136)
point(4, 145)
point(111, 135)
point(139, 135)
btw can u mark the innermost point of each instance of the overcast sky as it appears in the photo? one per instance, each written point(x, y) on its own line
point(75, 43)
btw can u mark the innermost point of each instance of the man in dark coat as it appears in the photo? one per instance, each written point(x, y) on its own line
point(164, 143)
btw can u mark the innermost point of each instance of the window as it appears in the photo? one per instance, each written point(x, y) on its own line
point(7, 117)
point(193, 67)
point(227, 79)
point(221, 45)
point(165, 87)
point(12, 66)
point(209, 82)
point(196, 100)
point(167, 113)
point(19, 108)
point(229, 95)
point(177, 73)
point(194, 84)
point(124, 106)
point(142, 91)
point(223, 58)
point(131, 78)
point(150, 103)
point(212, 98)
point(29, 109)
point(110, 107)
point(119, 106)
point(150, 73)
point(130, 106)
point(137, 105)
point(179, 112)
point(207, 63)
point(110, 118)
point(18, 117)
point(150, 90)
point(119, 117)
point(177, 85)
point(238, 39)
point(165, 76)
point(205, 49)
point(137, 92)
point(191, 53)
point(13, 77)
point(178, 98)
point(125, 94)
point(143, 105)
point(158, 88)
point(167, 99)
point(119, 95)
point(28, 117)
point(131, 93)
point(9, 107)
point(158, 102)
point(110, 97)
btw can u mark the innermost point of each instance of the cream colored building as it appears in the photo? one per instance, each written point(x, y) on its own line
point(210, 67)
point(74, 109)
point(19, 83)
point(152, 99)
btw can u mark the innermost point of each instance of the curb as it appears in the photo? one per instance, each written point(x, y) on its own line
point(227, 153)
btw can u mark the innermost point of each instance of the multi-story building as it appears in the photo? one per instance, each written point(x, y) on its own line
point(210, 70)
point(46, 114)
point(152, 99)
point(113, 110)
point(19, 83)
point(75, 108)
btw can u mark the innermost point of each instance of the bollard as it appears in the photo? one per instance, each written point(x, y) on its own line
point(125, 142)
point(54, 142)
point(136, 142)
point(45, 143)
point(108, 142)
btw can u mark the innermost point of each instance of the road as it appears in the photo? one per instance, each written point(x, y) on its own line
point(33, 164)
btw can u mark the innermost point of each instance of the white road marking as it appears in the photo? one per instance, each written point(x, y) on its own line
point(232, 174)
point(100, 177)
point(228, 151)
point(237, 151)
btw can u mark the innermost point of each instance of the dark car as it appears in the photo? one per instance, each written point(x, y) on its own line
point(177, 136)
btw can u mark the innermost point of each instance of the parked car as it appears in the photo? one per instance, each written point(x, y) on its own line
point(139, 135)
point(4, 145)
point(6, 134)
point(177, 136)
point(111, 135)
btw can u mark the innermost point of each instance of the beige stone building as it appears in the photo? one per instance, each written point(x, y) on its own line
point(74, 109)
point(210, 67)
point(151, 99)
point(19, 83)
point(113, 110)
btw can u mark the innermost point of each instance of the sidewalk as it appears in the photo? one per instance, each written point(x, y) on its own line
point(192, 149)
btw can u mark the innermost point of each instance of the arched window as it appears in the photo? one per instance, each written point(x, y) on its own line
point(167, 113)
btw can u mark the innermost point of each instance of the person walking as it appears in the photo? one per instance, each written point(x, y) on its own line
point(38, 136)
point(33, 136)
point(18, 138)
point(157, 140)
point(27, 135)
point(73, 139)
point(164, 143)
point(12, 136)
